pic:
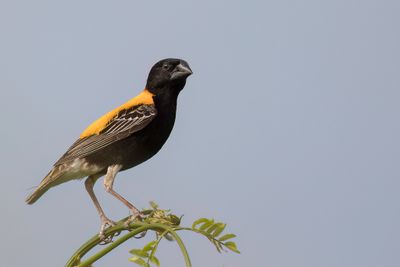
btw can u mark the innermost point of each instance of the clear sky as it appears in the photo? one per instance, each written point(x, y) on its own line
point(288, 130)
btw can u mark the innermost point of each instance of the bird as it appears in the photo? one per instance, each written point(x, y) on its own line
point(122, 138)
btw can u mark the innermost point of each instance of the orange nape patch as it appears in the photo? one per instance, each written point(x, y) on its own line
point(145, 97)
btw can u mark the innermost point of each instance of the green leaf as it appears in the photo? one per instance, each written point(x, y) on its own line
point(174, 220)
point(217, 229)
point(139, 261)
point(139, 252)
point(220, 228)
point(199, 221)
point(206, 225)
point(149, 246)
point(154, 205)
point(232, 246)
point(226, 237)
point(154, 260)
point(212, 228)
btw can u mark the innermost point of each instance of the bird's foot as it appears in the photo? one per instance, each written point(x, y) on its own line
point(105, 224)
point(136, 215)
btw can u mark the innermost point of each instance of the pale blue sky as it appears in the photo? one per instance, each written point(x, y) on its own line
point(288, 130)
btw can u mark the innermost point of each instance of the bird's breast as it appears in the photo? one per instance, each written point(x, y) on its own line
point(144, 144)
point(141, 145)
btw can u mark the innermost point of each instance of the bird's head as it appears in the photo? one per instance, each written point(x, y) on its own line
point(168, 74)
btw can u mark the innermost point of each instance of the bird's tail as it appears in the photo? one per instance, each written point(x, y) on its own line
point(48, 182)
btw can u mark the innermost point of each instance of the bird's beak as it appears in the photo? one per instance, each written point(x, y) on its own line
point(182, 70)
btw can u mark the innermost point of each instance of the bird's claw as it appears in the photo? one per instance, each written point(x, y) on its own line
point(136, 216)
point(105, 224)
point(141, 235)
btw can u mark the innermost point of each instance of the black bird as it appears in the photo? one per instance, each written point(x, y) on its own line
point(122, 138)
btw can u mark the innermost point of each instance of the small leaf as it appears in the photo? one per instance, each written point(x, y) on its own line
point(149, 246)
point(199, 221)
point(154, 260)
point(138, 261)
point(219, 230)
point(146, 212)
point(226, 237)
point(139, 252)
point(232, 246)
point(154, 205)
point(174, 220)
point(213, 227)
point(206, 225)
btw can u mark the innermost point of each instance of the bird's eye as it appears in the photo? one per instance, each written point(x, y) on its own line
point(165, 66)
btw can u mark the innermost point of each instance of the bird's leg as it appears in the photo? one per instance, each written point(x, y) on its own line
point(105, 222)
point(108, 185)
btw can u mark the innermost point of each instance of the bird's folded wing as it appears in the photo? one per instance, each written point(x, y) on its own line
point(125, 123)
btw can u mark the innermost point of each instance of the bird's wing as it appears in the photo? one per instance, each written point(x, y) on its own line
point(125, 123)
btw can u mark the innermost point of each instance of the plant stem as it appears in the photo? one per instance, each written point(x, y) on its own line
point(110, 247)
point(153, 251)
point(155, 226)
point(136, 228)
point(182, 247)
point(92, 242)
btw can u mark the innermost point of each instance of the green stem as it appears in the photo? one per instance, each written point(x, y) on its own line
point(94, 241)
point(182, 247)
point(110, 247)
point(153, 251)
point(185, 254)
point(205, 234)
point(137, 227)
point(155, 226)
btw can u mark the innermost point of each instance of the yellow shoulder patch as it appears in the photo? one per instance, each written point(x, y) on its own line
point(145, 97)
